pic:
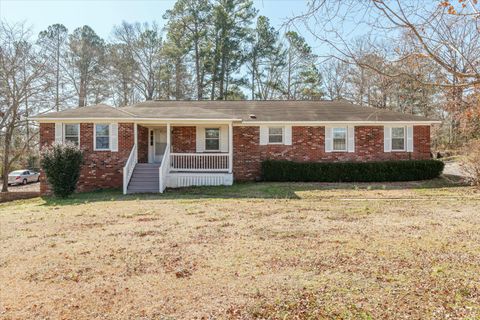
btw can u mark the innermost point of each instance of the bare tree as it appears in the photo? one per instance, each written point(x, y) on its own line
point(335, 75)
point(433, 26)
point(86, 63)
point(144, 43)
point(22, 72)
point(54, 40)
point(122, 67)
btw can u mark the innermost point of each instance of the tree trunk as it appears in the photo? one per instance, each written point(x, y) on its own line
point(197, 67)
point(289, 75)
point(57, 76)
point(178, 91)
point(254, 61)
point(221, 84)
point(150, 86)
point(125, 91)
point(6, 160)
point(83, 93)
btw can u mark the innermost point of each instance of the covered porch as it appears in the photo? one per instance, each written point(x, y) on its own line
point(179, 154)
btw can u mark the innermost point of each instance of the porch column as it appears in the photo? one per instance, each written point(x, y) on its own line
point(230, 147)
point(135, 137)
point(168, 136)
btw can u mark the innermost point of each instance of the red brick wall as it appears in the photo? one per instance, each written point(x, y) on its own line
point(184, 139)
point(421, 141)
point(142, 143)
point(101, 169)
point(308, 144)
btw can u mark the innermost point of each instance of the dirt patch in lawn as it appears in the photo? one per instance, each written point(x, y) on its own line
point(258, 251)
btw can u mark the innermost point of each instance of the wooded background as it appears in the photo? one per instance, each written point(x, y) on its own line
point(418, 57)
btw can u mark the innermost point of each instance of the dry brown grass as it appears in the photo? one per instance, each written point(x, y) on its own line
point(264, 251)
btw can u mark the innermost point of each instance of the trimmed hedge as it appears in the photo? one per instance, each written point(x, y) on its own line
point(381, 171)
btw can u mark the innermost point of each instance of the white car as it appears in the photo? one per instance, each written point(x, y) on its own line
point(23, 177)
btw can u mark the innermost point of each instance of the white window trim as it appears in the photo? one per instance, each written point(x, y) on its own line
point(64, 128)
point(283, 134)
point(219, 139)
point(404, 149)
point(346, 139)
point(95, 137)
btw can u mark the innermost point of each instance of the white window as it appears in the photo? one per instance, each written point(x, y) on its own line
point(72, 133)
point(339, 139)
point(212, 139)
point(275, 135)
point(398, 139)
point(102, 137)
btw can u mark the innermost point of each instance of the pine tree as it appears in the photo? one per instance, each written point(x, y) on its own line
point(194, 17)
point(232, 20)
point(54, 40)
point(86, 57)
point(265, 58)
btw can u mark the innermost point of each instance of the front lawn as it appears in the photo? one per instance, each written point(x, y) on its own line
point(251, 251)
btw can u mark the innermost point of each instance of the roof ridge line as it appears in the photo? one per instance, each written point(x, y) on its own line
point(126, 112)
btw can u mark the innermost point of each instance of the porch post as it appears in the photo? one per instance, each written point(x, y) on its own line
point(230, 147)
point(135, 136)
point(168, 136)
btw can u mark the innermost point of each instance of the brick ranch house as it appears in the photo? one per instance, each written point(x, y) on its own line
point(152, 145)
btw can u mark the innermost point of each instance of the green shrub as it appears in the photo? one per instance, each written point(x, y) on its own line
point(407, 170)
point(61, 164)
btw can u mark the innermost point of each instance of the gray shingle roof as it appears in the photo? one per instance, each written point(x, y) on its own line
point(94, 112)
point(263, 111)
point(175, 110)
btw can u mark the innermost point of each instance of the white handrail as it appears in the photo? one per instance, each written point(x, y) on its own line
point(204, 162)
point(163, 169)
point(129, 167)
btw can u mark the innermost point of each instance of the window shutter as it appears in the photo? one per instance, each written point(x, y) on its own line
point(288, 135)
point(409, 138)
point(114, 137)
point(328, 139)
point(224, 139)
point(387, 139)
point(263, 135)
point(351, 138)
point(58, 132)
point(200, 136)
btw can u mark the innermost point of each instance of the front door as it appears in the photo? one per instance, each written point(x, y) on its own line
point(159, 136)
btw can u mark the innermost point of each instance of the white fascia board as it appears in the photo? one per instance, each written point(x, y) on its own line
point(322, 123)
point(239, 122)
point(133, 120)
point(184, 121)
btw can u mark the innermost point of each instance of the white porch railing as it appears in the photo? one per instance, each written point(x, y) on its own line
point(129, 167)
point(200, 162)
point(163, 169)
